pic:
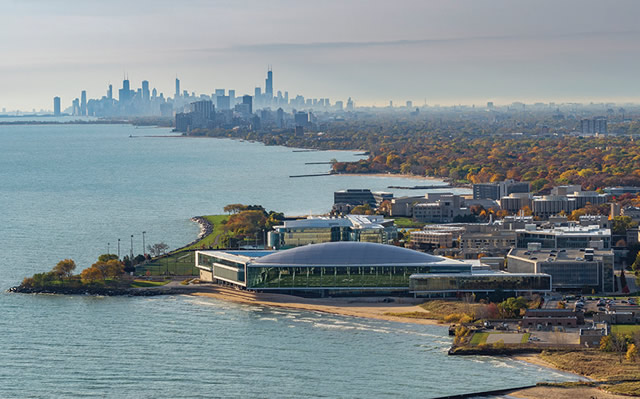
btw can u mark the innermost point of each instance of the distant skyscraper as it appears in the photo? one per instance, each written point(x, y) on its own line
point(125, 93)
point(56, 106)
point(280, 118)
point(409, 104)
point(83, 103)
point(232, 97)
point(76, 107)
point(257, 93)
point(154, 93)
point(247, 100)
point(145, 90)
point(177, 87)
point(110, 92)
point(268, 89)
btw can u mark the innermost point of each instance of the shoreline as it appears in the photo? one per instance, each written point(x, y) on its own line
point(348, 306)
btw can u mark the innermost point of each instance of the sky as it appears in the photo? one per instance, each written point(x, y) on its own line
point(427, 51)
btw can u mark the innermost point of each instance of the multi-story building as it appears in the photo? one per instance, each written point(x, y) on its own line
point(314, 230)
point(56, 106)
point(361, 197)
point(436, 236)
point(597, 125)
point(497, 190)
point(570, 268)
point(565, 237)
point(443, 210)
point(550, 205)
point(515, 202)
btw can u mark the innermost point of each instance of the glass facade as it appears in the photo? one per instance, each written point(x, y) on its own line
point(358, 276)
point(481, 283)
point(222, 268)
point(573, 275)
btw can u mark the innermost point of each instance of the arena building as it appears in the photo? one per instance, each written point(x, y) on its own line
point(324, 268)
point(334, 268)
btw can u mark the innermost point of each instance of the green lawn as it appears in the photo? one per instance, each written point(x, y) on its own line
point(144, 284)
point(407, 223)
point(176, 264)
point(479, 338)
point(218, 231)
point(625, 329)
point(182, 262)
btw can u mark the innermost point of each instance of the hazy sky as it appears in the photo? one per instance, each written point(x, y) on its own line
point(441, 51)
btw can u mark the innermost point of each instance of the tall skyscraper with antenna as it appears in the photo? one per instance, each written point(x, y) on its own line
point(268, 90)
point(177, 88)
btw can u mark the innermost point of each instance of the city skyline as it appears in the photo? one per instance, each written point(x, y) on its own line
point(459, 52)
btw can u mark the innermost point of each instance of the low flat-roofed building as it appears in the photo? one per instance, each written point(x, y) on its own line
point(324, 269)
point(444, 209)
point(478, 281)
point(570, 269)
point(551, 317)
point(361, 197)
point(565, 237)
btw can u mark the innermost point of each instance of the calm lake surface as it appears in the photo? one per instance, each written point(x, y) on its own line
point(69, 191)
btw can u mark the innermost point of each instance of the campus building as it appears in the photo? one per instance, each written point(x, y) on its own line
point(571, 269)
point(324, 269)
point(564, 237)
point(478, 281)
point(316, 230)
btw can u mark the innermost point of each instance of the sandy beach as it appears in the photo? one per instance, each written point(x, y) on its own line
point(372, 308)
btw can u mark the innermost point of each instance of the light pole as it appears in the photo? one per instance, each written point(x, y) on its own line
point(131, 248)
point(108, 244)
point(118, 249)
point(143, 247)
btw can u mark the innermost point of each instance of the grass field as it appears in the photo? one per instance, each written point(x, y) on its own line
point(176, 264)
point(182, 262)
point(479, 338)
point(625, 329)
point(407, 223)
point(218, 230)
point(144, 283)
point(619, 377)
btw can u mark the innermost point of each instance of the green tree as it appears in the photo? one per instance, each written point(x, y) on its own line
point(621, 224)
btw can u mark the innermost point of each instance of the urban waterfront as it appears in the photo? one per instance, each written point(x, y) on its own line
point(73, 190)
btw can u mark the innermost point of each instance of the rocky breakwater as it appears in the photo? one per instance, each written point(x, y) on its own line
point(108, 291)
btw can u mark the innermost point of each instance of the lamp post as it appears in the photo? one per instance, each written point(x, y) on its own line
point(108, 251)
point(118, 249)
point(131, 248)
point(143, 247)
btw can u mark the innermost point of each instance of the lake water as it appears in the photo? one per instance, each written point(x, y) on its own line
point(72, 190)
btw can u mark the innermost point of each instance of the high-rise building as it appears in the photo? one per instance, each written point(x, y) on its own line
point(232, 97)
point(247, 100)
point(280, 118)
point(56, 106)
point(177, 87)
point(593, 126)
point(83, 103)
point(125, 93)
point(268, 89)
point(110, 92)
point(145, 90)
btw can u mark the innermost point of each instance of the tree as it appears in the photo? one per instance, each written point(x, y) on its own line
point(234, 208)
point(362, 210)
point(110, 269)
point(621, 224)
point(107, 257)
point(623, 282)
point(632, 353)
point(635, 266)
point(91, 275)
point(64, 268)
point(157, 249)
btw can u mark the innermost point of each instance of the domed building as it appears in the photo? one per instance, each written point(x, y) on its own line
point(326, 269)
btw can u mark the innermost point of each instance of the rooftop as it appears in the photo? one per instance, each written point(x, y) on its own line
point(352, 253)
